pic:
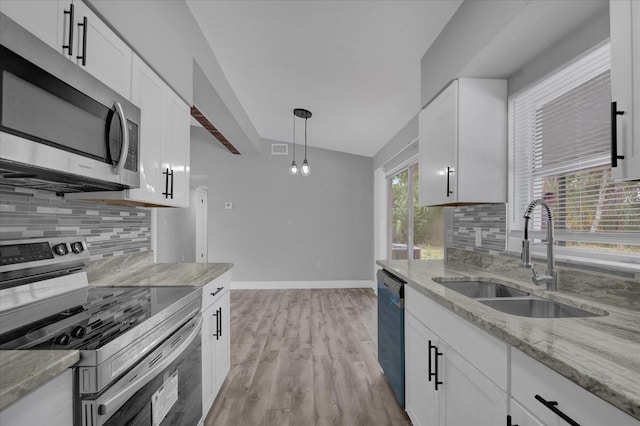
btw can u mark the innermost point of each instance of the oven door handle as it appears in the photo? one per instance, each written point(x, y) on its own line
point(113, 403)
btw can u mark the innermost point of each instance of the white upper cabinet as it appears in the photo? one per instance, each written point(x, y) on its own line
point(176, 157)
point(100, 51)
point(625, 88)
point(463, 144)
point(149, 94)
point(72, 29)
point(46, 19)
point(164, 141)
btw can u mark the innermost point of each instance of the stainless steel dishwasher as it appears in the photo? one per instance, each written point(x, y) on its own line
point(391, 330)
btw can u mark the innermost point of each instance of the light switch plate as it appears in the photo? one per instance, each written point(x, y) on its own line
point(478, 237)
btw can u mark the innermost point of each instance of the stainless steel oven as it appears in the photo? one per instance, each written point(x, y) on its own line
point(61, 129)
point(140, 353)
point(164, 388)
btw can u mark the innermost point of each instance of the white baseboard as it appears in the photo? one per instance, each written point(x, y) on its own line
point(282, 285)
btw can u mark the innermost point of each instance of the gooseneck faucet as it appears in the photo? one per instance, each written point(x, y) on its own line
point(550, 277)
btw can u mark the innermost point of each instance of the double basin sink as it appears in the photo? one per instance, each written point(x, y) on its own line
point(513, 301)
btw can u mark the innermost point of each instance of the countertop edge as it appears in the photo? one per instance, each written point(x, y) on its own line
point(164, 275)
point(15, 384)
point(581, 378)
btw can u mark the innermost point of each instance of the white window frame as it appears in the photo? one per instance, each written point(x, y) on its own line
point(405, 165)
point(514, 227)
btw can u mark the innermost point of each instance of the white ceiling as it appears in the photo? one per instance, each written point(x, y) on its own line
point(354, 64)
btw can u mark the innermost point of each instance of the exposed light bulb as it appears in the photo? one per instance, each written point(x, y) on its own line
point(306, 169)
point(293, 169)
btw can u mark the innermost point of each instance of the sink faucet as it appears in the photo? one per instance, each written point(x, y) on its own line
point(550, 277)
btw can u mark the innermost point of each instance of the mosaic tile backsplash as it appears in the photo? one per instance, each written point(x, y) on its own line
point(109, 230)
point(490, 219)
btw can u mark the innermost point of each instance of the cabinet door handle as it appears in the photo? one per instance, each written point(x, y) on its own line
point(509, 422)
point(220, 321)
point(552, 405)
point(614, 134)
point(83, 57)
point(216, 332)
point(434, 373)
point(449, 171)
point(431, 346)
point(69, 45)
point(172, 184)
point(166, 183)
point(438, 353)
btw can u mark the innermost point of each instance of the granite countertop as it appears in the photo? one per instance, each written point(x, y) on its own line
point(601, 354)
point(138, 270)
point(17, 367)
point(17, 377)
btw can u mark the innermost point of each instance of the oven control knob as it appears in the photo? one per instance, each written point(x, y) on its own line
point(77, 247)
point(62, 339)
point(78, 332)
point(60, 249)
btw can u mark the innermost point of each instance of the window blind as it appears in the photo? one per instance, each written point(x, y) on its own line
point(560, 151)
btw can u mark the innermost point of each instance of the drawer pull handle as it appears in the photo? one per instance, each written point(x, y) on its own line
point(552, 405)
point(218, 290)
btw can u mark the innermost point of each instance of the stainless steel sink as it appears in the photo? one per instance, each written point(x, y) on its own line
point(482, 289)
point(534, 307)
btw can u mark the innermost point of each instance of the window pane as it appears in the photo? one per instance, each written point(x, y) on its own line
point(560, 136)
point(428, 225)
point(399, 224)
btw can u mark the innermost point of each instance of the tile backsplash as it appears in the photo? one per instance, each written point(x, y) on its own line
point(109, 230)
point(489, 219)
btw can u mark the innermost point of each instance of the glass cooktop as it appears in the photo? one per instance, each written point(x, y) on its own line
point(92, 318)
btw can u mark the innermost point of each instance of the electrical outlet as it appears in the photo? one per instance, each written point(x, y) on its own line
point(478, 237)
point(449, 235)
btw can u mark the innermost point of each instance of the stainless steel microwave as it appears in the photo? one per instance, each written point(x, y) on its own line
point(61, 129)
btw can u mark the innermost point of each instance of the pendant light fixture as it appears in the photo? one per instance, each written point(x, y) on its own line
point(306, 114)
point(293, 168)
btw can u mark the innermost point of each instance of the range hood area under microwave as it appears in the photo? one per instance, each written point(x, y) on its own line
point(61, 129)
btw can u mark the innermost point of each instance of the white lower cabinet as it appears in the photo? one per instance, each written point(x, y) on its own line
point(51, 404)
point(530, 378)
point(474, 387)
point(442, 386)
point(520, 416)
point(468, 396)
point(216, 354)
point(421, 398)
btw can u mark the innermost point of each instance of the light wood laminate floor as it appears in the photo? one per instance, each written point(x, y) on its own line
point(304, 357)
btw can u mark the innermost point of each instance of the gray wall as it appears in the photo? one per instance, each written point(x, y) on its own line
point(287, 228)
point(576, 43)
point(471, 28)
point(176, 236)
